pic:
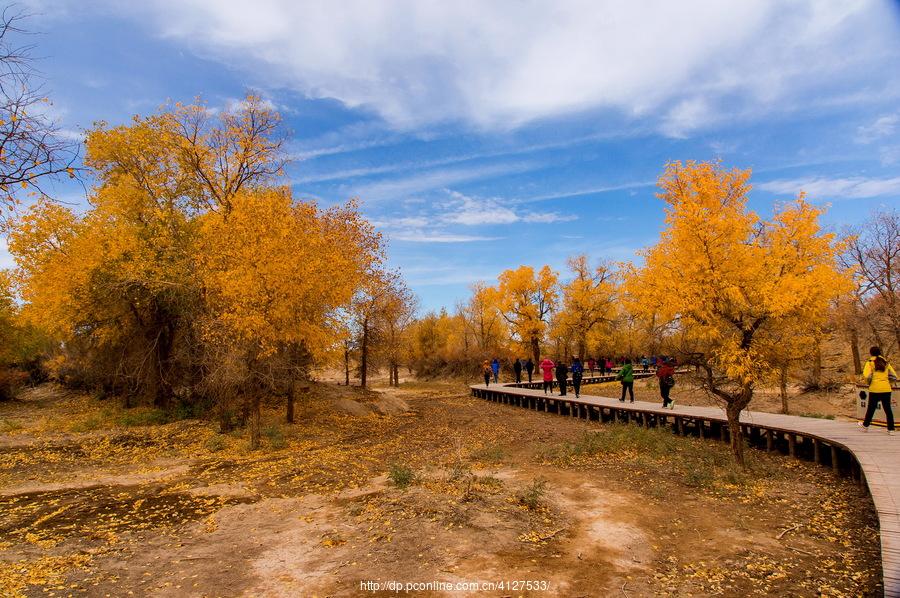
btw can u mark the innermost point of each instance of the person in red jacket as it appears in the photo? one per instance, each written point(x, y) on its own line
point(666, 375)
point(547, 368)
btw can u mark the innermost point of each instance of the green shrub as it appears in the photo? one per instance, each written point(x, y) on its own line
point(401, 475)
point(533, 494)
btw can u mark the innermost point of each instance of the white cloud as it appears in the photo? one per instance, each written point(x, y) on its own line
point(475, 211)
point(422, 236)
point(686, 116)
point(827, 188)
point(500, 64)
point(883, 126)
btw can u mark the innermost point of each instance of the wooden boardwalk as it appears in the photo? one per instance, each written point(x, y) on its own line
point(871, 457)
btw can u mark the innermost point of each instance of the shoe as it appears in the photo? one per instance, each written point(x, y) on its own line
point(864, 427)
point(631, 401)
point(890, 432)
point(621, 400)
point(671, 404)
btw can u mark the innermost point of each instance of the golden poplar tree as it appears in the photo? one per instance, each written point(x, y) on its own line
point(729, 285)
point(525, 299)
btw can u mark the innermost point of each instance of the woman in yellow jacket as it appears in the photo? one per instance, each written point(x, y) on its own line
point(878, 372)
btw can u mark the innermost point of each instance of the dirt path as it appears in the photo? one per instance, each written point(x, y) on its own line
point(499, 495)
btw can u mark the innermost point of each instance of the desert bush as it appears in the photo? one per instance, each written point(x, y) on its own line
point(533, 495)
point(401, 475)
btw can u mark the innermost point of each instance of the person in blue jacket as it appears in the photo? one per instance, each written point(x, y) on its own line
point(495, 367)
point(577, 373)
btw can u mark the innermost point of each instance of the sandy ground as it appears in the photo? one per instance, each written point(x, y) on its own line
point(499, 496)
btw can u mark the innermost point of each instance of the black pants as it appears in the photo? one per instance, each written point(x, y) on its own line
point(627, 386)
point(562, 386)
point(548, 386)
point(664, 390)
point(487, 379)
point(885, 399)
point(518, 376)
point(529, 377)
point(576, 383)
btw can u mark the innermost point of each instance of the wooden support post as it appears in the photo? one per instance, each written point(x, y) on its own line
point(723, 432)
point(645, 419)
point(835, 460)
point(817, 451)
point(701, 428)
point(627, 416)
point(792, 445)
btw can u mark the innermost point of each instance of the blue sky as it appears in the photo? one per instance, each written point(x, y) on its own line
point(482, 136)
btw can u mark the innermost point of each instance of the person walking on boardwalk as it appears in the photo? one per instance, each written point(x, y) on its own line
point(665, 373)
point(609, 365)
point(592, 364)
point(577, 372)
point(547, 370)
point(529, 368)
point(495, 367)
point(517, 369)
point(562, 373)
point(879, 373)
point(626, 376)
point(486, 370)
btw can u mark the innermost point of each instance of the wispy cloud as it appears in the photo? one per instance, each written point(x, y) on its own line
point(425, 236)
point(476, 211)
point(399, 188)
point(588, 191)
point(835, 188)
point(884, 126)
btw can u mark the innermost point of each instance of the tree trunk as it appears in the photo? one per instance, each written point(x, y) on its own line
point(854, 350)
point(535, 350)
point(346, 363)
point(817, 367)
point(290, 402)
point(782, 384)
point(733, 409)
point(254, 423)
point(736, 433)
point(364, 354)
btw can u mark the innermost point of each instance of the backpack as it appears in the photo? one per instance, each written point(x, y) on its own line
point(669, 381)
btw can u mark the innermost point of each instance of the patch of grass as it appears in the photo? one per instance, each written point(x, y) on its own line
point(142, 417)
point(7, 426)
point(692, 462)
point(215, 443)
point(88, 424)
point(818, 415)
point(275, 436)
point(401, 475)
point(533, 495)
point(488, 454)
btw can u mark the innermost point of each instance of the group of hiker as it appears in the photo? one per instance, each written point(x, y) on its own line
point(559, 372)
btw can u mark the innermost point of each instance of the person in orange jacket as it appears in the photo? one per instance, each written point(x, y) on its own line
point(547, 368)
point(487, 371)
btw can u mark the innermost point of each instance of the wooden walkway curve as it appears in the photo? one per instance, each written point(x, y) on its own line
point(872, 457)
